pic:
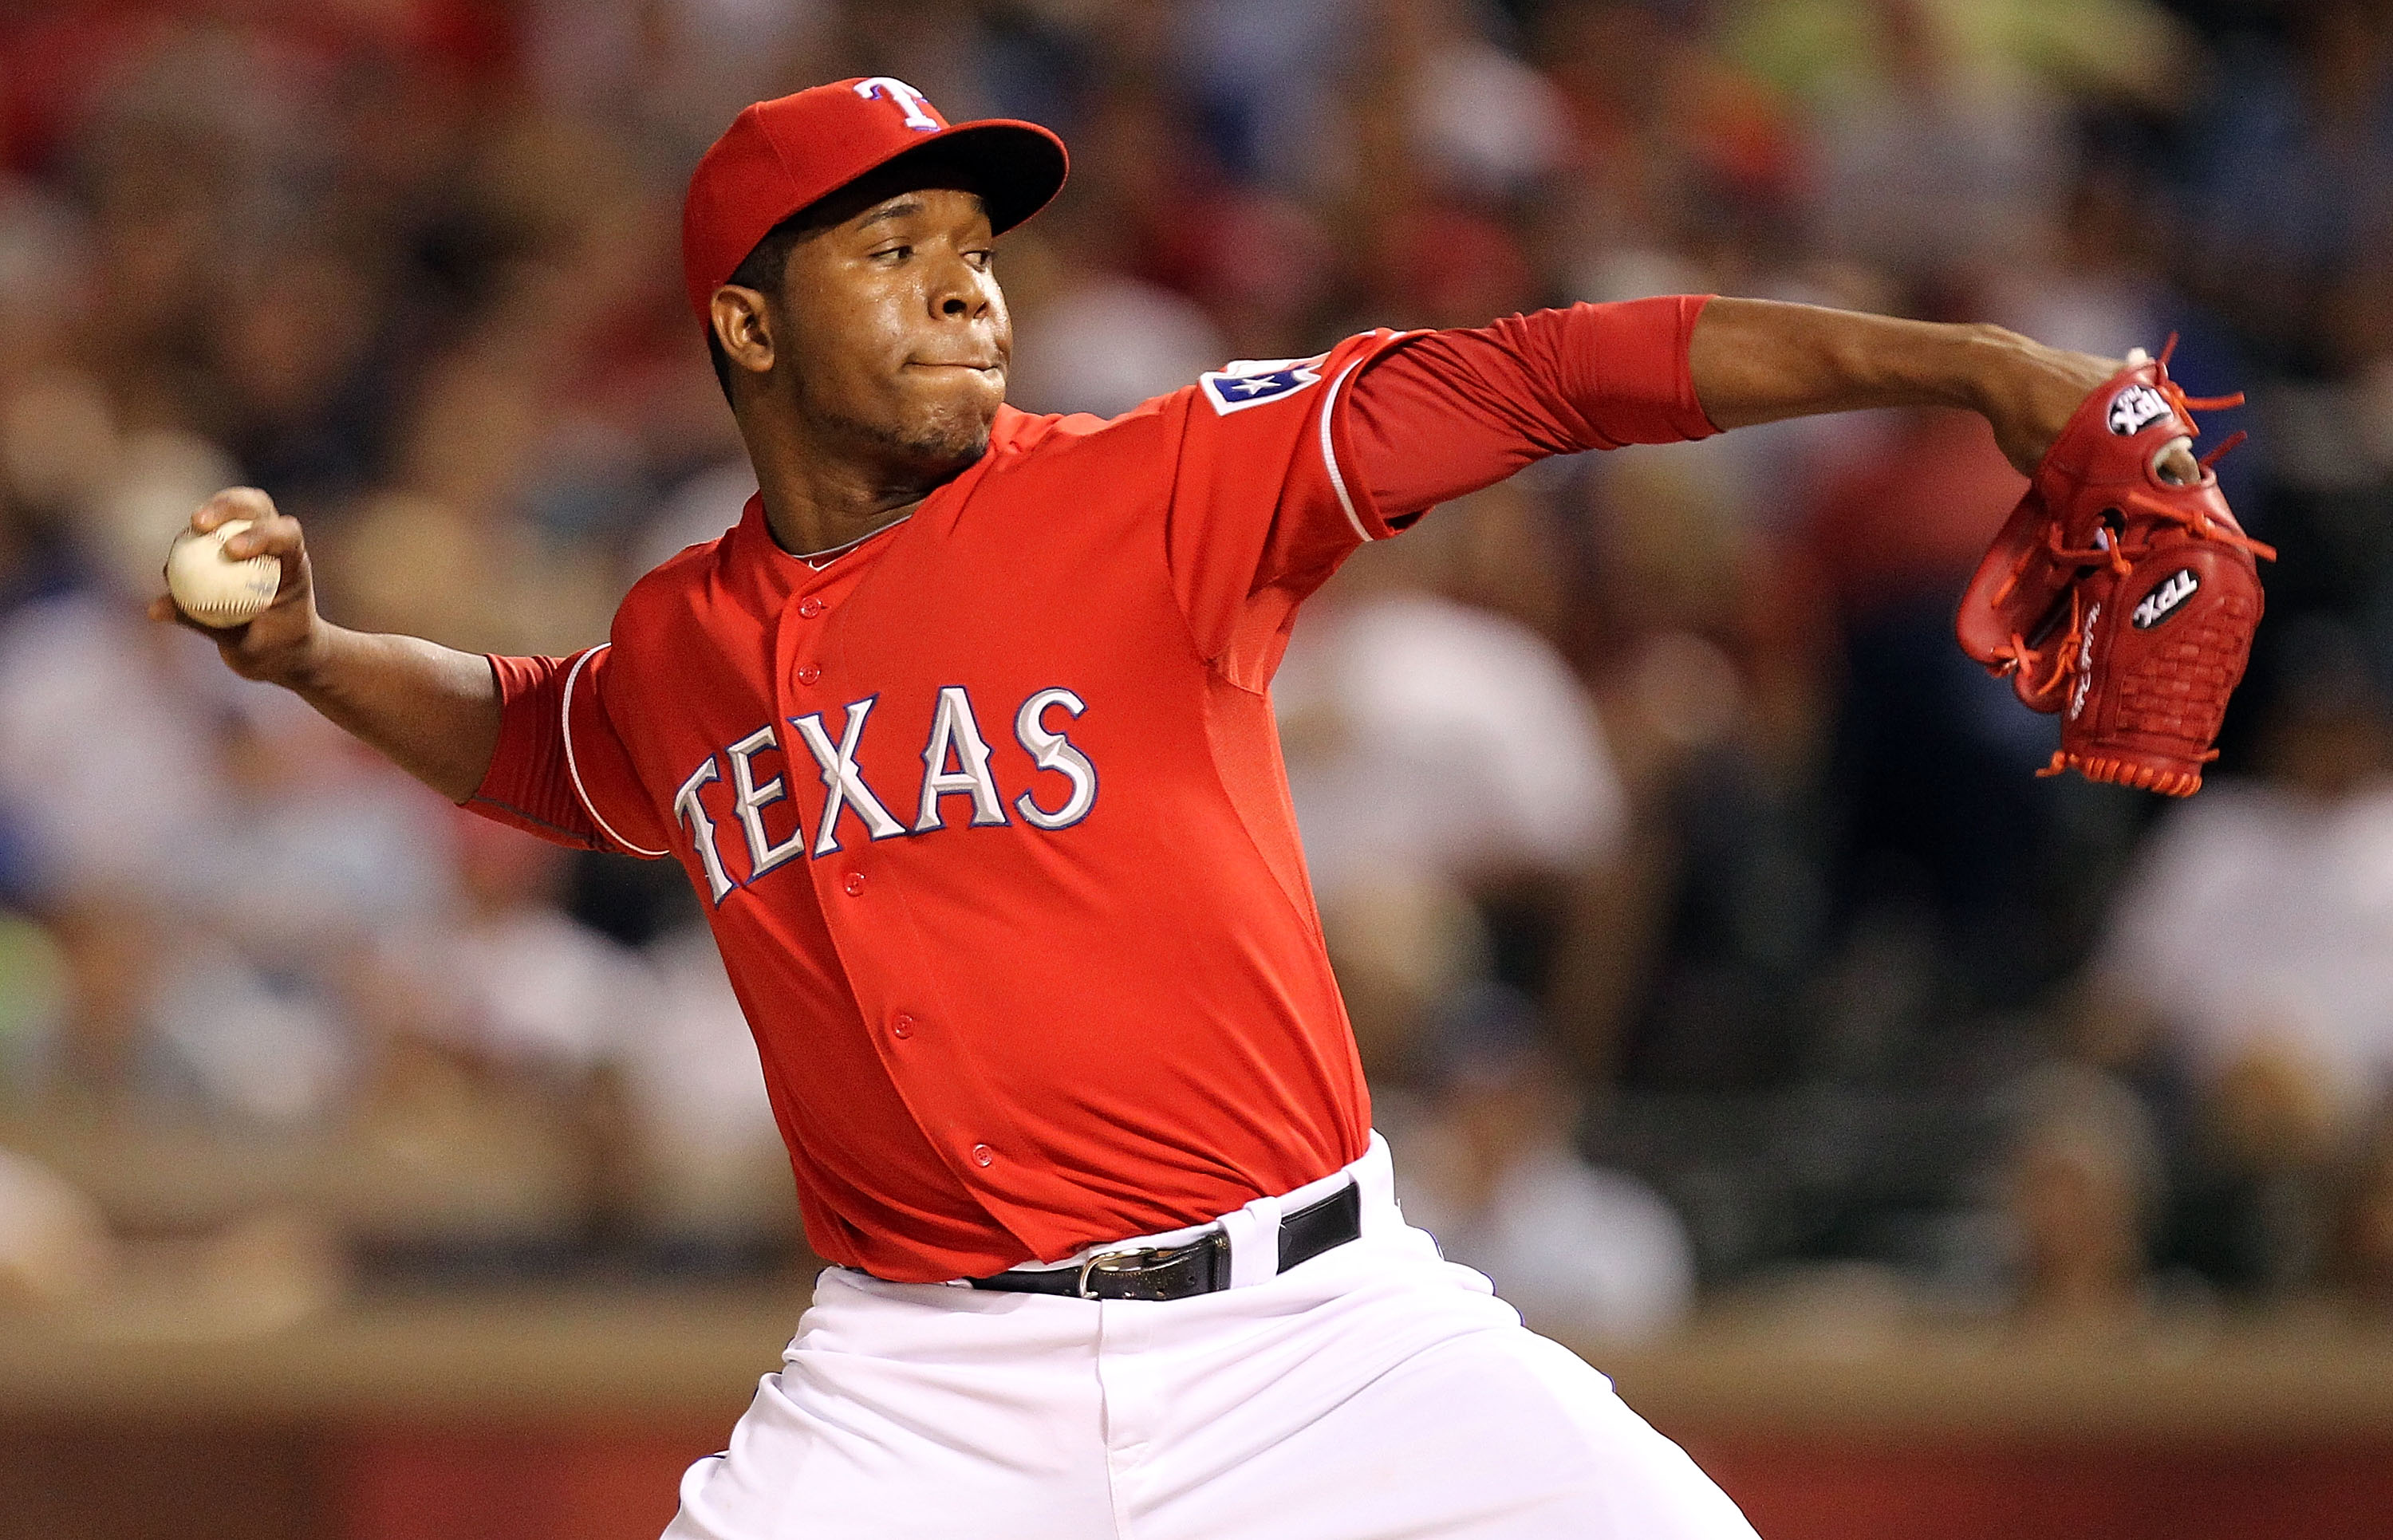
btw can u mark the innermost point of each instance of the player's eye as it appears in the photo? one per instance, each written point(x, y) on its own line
point(898, 253)
point(981, 258)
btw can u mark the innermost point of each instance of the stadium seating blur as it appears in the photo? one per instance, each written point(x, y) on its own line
point(1749, 944)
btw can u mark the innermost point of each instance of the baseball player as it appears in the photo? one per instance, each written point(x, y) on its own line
point(963, 736)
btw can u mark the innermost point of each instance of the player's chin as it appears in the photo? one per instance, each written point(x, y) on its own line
point(955, 415)
point(952, 436)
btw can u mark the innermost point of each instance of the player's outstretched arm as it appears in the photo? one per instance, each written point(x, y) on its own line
point(1757, 362)
point(433, 711)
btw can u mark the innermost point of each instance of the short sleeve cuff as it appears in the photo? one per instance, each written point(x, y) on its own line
point(1334, 435)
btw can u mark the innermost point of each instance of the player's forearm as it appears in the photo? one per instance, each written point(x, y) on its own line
point(1758, 361)
point(432, 711)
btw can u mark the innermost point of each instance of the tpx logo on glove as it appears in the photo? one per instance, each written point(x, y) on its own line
point(2135, 409)
point(2163, 601)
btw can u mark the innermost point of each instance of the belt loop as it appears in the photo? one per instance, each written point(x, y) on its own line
point(1375, 1181)
point(1253, 1234)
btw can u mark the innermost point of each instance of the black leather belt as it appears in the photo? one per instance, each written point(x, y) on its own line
point(1196, 1267)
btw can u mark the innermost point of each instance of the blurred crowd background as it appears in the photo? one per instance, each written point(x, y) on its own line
point(1706, 926)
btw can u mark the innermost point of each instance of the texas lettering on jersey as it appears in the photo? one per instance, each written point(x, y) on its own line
point(955, 763)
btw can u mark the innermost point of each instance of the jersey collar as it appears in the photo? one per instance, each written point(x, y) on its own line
point(759, 570)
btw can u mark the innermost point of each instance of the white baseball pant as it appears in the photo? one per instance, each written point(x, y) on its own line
point(1376, 1392)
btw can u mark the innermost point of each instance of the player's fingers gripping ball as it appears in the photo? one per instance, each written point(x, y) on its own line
point(214, 589)
point(2122, 593)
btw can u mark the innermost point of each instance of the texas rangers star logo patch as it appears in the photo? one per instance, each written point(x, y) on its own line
point(1251, 382)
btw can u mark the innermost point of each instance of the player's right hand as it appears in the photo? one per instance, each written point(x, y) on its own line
point(282, 641)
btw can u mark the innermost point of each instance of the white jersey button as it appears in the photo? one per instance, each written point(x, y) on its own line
point(984, 1155)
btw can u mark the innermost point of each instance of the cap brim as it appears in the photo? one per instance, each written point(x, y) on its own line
point(1017, 168)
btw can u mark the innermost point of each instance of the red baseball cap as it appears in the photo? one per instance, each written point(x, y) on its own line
point(778, 156)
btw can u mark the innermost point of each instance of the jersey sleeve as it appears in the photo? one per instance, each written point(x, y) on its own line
point(561, 770)
point(1262, 508)
point(1448, 413)
point(1287, 466)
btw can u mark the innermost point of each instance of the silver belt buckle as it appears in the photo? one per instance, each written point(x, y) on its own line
point(1114, 1262)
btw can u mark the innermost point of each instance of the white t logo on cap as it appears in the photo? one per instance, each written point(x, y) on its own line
point(905, 96)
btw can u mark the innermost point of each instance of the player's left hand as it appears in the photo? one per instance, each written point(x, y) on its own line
point(2029, 392)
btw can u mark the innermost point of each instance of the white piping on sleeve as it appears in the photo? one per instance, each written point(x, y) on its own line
point(1329, 453)
point(565, 725)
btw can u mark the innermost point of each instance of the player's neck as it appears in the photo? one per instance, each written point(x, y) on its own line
point(821, 494)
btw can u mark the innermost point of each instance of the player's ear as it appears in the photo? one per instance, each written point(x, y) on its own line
point(742, 328)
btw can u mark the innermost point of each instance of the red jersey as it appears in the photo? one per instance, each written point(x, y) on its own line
point(987, 810)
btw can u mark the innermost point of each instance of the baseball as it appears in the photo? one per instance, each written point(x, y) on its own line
point(211, 587)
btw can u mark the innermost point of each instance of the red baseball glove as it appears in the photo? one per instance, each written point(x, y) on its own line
point(2119, 594)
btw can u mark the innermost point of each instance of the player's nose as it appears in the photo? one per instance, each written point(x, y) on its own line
point(960, 292)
